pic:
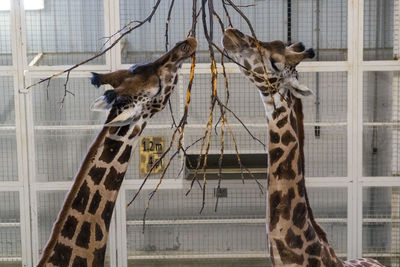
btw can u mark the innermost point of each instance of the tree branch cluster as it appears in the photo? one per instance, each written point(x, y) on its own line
point(206, 8)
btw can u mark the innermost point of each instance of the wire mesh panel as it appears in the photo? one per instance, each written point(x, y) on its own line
point(7, 109)
point(65, 32)
point(325, 29)
point(10, 229)
point(381, 225)
point(325, 153)
point(75, 110)
point(381, 130)
point(329, 104)
point(59, 153)
point(175, 229)
point(379, 30)
point(49, 204)
point(8, 144)
point(325, 146)
point(5, 36)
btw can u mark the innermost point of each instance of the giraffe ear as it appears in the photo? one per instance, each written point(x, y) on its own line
point(126, 117)
point(299, 90)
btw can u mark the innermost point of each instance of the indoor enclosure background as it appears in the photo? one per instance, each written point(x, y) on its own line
point(352, 129)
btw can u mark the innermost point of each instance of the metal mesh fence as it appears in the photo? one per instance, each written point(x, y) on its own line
point(378, 29)
point(381, 116)
point(59, 153)
point(10, 228)
point(324, 28)
point(65, 32)
point(381, 227)
point(5, 37)
point(175, 228)
point(48, 110)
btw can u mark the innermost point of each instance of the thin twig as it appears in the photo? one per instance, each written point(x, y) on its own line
point(166, 49)
point(171, 6)
point(227, 14)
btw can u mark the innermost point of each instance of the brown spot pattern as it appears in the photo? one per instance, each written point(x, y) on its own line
point(293, 240)
point(259, 70)
point(113, 179)
point(247, 64)
point(79, 262)
point(126, 155)
point(61, 256)
point(83, 237)
point(301, 187)
point(81, 200)
point(314, 249)
point(300, 215)
point(279, 206)
point(94, 204)
point(313, 262)
point(123, 130)
point(293, 122)
point(98, 233)
point(288, 256)
point(143, 126)
point(135, 131)
point(107, 213)
point(98, 259)
point(111, 149)
point(69, 227)
point(97, 174)
point(275, 114)
point(310, 234)
point(275, 154)
point(287, 138)
point(259, 80)
point(274, 137)
point(285, 170)
point(282, 122)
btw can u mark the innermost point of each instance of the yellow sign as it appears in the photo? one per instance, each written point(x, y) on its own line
point(151, 149)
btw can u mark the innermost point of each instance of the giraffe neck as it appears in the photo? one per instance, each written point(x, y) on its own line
point(79, 235)
point(293, 235)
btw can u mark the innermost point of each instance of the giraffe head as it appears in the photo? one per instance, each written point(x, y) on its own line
point(143, 89)
point(271, 66)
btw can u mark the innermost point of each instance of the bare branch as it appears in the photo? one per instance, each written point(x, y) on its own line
point(171, 6)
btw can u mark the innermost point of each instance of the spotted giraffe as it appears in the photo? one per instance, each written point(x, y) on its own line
point(294, 237)
point(79, 235)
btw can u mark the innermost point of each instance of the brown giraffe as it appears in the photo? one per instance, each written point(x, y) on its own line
point(79, 235)
point(294, 237)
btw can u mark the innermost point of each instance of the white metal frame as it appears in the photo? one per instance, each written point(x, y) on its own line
point(28, 187)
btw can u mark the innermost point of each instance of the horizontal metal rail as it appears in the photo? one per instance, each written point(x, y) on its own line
point(221, 221)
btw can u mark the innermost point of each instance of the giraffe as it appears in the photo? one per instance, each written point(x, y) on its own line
point(79, 235)
point(294, 237)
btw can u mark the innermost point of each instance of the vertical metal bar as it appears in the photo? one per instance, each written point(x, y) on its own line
point(19, 58)
point(395, 196)
point(289, 21)
point(354, 126)
point(111, 25)
point(374, 140)
point(317, 129)
point(121, 230)
point(359, 34)
point(395, 215)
